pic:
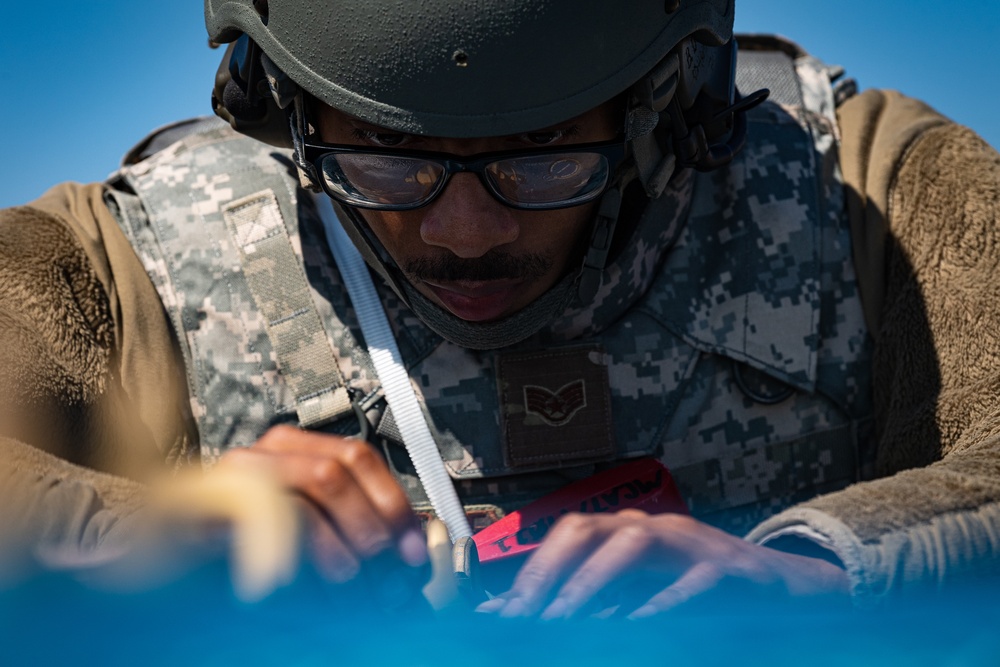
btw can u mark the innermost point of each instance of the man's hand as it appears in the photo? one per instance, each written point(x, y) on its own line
point(357, 511)
point(663, 561)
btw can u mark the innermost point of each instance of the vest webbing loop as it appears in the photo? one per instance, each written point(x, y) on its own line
point(279, 287)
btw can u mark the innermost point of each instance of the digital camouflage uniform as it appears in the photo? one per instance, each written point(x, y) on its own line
point(727, 339)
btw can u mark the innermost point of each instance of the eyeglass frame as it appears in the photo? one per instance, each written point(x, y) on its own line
point(614, 151)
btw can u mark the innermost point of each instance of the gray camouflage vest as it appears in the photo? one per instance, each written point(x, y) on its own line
point(727, 339)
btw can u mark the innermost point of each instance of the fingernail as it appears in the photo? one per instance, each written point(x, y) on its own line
point(557, 609)
point(491, 606)
point(514, 608)
point(642, 612)
point(341, 574)
point(413, 547)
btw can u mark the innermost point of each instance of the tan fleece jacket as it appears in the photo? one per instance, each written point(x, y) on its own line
point(85, 341)
point(89, 375)
point(929, 256)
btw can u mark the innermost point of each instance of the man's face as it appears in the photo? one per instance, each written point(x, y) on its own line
point(466, 251)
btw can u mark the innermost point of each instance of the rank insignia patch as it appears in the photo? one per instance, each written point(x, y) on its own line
point(556, 407)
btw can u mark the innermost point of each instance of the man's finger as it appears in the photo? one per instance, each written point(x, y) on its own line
point(567, 545)
point(330, 485)
point(620, 554)
point(375, 479)
point(368, 472)
point(331, 555)
point(698, 580)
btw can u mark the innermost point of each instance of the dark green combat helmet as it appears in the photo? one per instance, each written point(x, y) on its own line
point(483, 68)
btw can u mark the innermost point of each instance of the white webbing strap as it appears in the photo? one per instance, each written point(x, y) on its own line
point(392, 374)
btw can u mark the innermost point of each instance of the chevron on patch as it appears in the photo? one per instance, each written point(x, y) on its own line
point(558, 407)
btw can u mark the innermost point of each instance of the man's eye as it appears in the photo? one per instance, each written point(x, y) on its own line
point(384, 139)
point(551, 136)
point(544, 138)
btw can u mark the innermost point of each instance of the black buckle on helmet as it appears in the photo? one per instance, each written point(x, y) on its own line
point(708, 115)
point(695, 85)
point(692, 145)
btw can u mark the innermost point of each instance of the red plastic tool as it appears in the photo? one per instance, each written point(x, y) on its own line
point(643, 484)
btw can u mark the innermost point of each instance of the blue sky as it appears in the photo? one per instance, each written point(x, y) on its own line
point(84, 81)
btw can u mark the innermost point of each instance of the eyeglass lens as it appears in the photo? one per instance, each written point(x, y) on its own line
point(526, 180)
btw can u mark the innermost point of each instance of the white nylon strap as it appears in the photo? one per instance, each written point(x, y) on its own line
point(395, 381)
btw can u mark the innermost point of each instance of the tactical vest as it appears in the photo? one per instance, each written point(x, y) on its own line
point(728, 339)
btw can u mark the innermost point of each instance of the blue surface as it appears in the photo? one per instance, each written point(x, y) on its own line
point(58, 621)
point(84, 81)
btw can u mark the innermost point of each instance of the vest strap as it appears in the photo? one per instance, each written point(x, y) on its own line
point(393, 376)
point(280, 289)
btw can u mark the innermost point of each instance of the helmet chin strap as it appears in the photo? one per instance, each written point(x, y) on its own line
point(600, 244)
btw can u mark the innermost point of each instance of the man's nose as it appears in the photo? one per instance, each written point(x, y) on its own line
point(467, 220)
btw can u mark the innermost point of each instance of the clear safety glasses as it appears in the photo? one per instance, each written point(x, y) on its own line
point(400, 180)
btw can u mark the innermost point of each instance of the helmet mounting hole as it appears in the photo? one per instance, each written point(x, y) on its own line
point(461, 58)
point(262, 10)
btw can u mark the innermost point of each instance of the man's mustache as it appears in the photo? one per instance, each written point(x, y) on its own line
point(494, 265)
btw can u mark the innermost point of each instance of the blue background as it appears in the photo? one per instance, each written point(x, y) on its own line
point(82, 81)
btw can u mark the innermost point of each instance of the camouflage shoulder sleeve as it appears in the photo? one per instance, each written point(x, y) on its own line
point(934, 516)
point(83, 340)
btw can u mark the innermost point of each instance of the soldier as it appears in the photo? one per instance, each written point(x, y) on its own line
point(593, 241)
